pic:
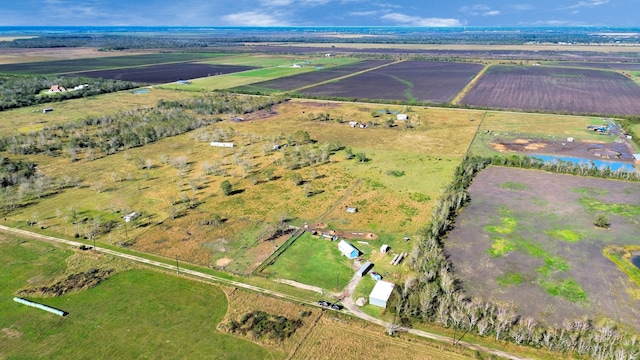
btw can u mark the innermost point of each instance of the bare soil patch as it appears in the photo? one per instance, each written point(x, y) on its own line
point(526, 216)
point(223, 262)
point(11, 333)
point(588, 149)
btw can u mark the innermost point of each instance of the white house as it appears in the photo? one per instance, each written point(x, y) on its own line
point(381, 293)
point(348, 250)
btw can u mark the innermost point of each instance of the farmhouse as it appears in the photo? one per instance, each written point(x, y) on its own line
point(364, 269)
point(381, 293)
point(222, 144)
point(348, 250)
point(57, 88)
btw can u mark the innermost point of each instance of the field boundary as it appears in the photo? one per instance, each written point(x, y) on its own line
point(456, 99)
point(272, 258)
point(345, 76)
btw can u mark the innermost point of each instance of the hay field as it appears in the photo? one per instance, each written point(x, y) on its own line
point(339, 337)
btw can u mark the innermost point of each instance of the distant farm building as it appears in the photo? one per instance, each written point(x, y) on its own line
point(384, 248)
point(381, 293)
point(402, 117)
point(222, 144)
point(46, 110)
point(183, 82)
point(348, 250)
point(57, 88)
point(130, 217)
point(297, 65)
point(364, 269)
point(375, 276)
point(352, 210)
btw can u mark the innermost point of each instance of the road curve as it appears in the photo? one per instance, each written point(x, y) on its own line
point(347, 301)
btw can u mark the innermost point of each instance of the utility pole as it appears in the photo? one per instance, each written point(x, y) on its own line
point(177, 266)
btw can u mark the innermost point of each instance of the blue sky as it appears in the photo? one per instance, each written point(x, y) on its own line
point(319, 13)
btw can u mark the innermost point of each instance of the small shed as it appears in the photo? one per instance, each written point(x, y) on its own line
point(381, 293)
point(636, 158)
point(570, 139)
point(46, 110)
point(364, 269)
point(375, 276)
point(352, 210)
point(129, 217)
point(402, 117)
point(384, 248)
point(348, 250)
point(183, 82)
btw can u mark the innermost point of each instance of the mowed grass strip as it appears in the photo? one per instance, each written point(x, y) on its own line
point(313, 261)
point(134, 314)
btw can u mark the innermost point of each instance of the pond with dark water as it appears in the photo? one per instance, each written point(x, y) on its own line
point(636, 261)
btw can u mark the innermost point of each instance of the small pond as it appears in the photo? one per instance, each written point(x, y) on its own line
point(613, 165)
point(635, 260)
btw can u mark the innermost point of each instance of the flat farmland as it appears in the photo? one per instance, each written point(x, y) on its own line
point(564, 90)
point(164, 73)
point(324, 74)
point(430, 81)
point(527, 239)
point(598, 65)
point(396, 175)
point(100, 63)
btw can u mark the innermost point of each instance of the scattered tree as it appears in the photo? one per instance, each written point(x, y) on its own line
point(226, 187)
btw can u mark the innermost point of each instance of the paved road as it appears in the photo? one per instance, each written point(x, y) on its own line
point(347, 300)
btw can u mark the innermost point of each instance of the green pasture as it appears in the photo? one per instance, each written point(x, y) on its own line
point(174, 317)
point(313, 261)
point(88, 64)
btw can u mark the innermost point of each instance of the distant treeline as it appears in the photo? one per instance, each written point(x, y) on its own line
point(190, 40)
point(19, 91)
point(435, 294)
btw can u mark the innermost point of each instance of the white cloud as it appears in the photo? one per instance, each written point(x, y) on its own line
point(364, 13)
point(407, 20)
point(253, 18)
point(521, 7)
point(479, 10)
point(591, 3)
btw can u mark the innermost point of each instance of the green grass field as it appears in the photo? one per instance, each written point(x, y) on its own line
point(313, 261)
point(174, 317)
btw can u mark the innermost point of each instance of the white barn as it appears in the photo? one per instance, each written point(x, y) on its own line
point(381, 293)
point(348, 250)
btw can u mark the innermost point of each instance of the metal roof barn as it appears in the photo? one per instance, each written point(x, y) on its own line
point(381, 293)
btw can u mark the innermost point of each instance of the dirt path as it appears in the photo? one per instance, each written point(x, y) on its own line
point(300, 285)
point(346, 301)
